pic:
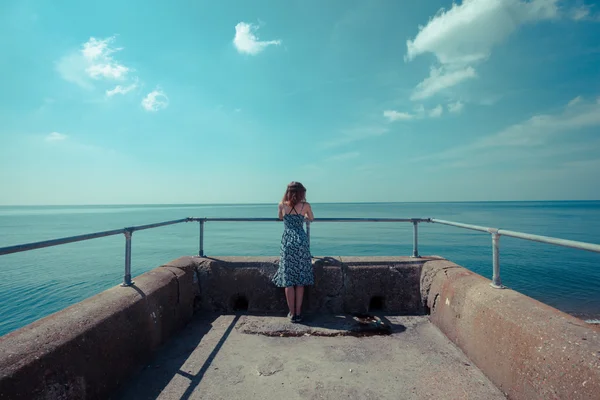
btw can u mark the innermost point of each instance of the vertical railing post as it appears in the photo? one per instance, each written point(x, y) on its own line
point(496, 281)
point(127, 277)
point(308, 232)
point(415, 253)
point(201, 250)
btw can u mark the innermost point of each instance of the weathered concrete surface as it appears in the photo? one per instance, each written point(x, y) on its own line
point(394, 280)
point(528, 349)
point(214, 359)
point(342, 284)
point(86, 350)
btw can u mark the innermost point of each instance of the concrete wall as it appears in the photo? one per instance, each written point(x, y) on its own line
point(86, 350)
point(528, 349)
point(342, 284)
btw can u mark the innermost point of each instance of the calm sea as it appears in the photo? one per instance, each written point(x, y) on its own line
point(40, 282)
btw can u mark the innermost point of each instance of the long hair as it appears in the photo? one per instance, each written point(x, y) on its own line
point(294, 194)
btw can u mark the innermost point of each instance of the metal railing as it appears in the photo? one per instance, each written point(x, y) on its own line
point(79, 238)
point(495, 234)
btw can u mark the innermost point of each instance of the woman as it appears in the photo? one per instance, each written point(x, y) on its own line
point(295, 265)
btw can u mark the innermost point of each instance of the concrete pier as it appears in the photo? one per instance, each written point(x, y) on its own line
point(214, 328)
point(247, 357)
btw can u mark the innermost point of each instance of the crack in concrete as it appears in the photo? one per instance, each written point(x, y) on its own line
point(435, 300)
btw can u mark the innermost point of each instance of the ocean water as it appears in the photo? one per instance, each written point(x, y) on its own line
point(40, 282)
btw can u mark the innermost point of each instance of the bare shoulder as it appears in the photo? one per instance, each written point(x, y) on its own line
point(307, 204)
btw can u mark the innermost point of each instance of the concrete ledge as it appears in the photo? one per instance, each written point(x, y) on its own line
point(88, 349)
point(348, 284)
point(528, 349)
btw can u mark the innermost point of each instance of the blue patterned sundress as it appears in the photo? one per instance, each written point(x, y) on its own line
point(295, 263)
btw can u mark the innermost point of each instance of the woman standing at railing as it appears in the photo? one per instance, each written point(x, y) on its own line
point(295, 265)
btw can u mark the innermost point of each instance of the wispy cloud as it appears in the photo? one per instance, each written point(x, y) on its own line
point(536, 132)
point(155, 101)
point(94, 61)
point(575, 101)
point(393, 115)
point(418, 113)
point(440, 79)
point(247, 42)
point(456, 107)
point(355, 134)
point(583, 12)
point(55, 137)
point(436, 112)
point(464, 35)
point(121, 89)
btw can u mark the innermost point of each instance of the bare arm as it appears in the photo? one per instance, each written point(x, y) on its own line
point(309, 213)
point(280, 211)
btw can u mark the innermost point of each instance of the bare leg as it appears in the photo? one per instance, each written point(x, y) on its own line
point(290, 297)
point(299, 297)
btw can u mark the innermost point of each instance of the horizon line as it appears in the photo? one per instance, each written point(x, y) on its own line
point(326, 202)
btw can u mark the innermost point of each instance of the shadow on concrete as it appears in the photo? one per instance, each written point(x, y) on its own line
point(197, 378)
point(324, 325)
point(137, 289)
point(169, 360)
point(354, 325)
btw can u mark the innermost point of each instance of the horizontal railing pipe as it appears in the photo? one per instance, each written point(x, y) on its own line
point(79, 238)
point(159, 224)
point(460, 225)
point(213, 219)
point(55, 242)
point(525, 236)
point(496, 233)
point(551, 240)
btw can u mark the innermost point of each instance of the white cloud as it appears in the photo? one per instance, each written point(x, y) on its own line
point(440, 79)
point(245, 40)
point(98, 53)
point(393, 115)
point(466, 33)
point(94, 61)
point(120, 90)
point(95, 49)
point(155, 100)
point(456, 107)
point(436, 112)
point(55, 137)
point(109, 71)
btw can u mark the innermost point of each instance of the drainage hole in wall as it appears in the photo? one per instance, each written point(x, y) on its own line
point(377, 303)
point(240, 303)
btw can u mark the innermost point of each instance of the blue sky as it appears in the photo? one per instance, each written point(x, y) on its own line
point(226, 102)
